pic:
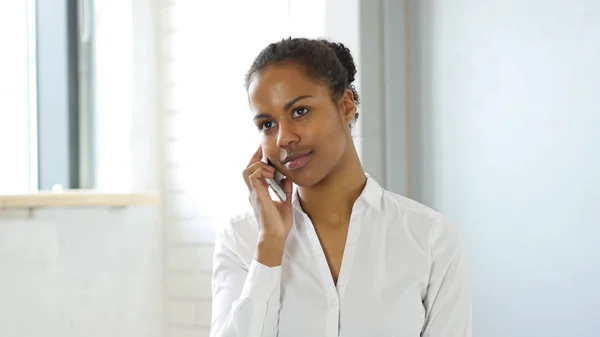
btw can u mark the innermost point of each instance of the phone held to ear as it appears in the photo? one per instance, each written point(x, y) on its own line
point(275, 184)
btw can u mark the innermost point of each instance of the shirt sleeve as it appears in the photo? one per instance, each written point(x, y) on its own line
point(448, 299)
point(246, 299)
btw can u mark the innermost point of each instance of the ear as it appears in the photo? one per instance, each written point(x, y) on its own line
point(347, 106)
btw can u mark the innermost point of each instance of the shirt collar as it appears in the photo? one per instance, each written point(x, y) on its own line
point(371, 195)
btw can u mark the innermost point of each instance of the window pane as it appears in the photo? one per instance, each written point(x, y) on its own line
point(113, 93)
point(14, 97)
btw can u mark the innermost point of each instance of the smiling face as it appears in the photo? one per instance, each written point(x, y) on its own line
point(303, 132)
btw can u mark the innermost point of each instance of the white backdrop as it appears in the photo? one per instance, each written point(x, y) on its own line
point(505, 139)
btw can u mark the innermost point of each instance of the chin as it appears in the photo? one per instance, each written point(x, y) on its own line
point(306, 177)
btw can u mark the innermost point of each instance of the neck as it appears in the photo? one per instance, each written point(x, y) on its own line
point(331, 200)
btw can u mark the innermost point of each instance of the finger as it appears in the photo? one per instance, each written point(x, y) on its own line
point(288, 187)
point(257, 156)
point(259, 192)
point(252, 168)
point(258, 183)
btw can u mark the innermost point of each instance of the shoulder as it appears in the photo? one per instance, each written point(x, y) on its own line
point(406, 205)
point(430, 227)
point(238, 235)
point(239, 227)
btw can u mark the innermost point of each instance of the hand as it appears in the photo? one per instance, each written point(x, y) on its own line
point(274, 217)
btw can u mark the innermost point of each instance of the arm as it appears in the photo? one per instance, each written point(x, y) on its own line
point(448, 299)
point(245, 298)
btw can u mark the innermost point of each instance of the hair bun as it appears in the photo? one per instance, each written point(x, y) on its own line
point(343, 54)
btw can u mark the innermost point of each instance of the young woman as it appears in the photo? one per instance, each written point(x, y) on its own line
point(342, 256)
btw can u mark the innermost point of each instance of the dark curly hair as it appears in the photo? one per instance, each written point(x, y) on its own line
point(326, 62)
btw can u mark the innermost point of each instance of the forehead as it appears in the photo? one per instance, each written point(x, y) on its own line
point(278, 84)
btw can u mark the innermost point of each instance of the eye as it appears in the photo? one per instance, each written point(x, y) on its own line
point(299, 112)
point(265, 126)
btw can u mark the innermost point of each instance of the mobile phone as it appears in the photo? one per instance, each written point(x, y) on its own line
point(275, 184)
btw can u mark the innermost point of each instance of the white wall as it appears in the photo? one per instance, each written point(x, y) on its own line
point(81, 272)
point(505, 139)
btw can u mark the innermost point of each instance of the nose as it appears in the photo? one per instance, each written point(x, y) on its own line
point(287, 134)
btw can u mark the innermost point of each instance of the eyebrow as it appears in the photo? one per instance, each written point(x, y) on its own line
point(287, 106)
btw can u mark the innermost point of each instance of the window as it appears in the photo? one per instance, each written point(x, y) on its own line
point(66, 95)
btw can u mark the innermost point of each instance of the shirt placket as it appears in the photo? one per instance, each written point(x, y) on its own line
point(334, 294)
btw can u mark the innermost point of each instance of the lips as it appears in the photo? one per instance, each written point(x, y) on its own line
point(297, 162)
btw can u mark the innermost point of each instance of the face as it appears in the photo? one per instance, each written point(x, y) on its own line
point(302, 131)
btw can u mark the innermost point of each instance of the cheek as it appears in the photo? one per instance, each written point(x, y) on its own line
point(272, 150)
point(337, 127)
point(333, 136)
point(269, 146)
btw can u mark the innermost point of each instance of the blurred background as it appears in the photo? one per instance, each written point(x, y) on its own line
point(124, 129)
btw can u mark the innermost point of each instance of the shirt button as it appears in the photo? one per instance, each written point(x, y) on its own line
point(268, 284)
point(333, 303)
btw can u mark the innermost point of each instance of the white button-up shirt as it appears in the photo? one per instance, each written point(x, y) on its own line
point(403, 273)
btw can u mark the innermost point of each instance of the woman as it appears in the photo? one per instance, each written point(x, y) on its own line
point(342, 256)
